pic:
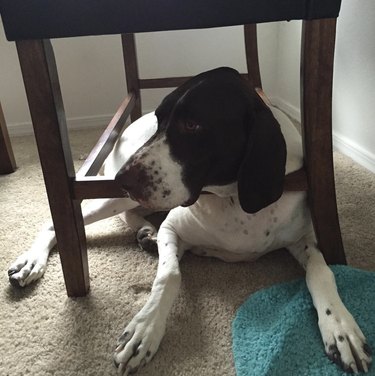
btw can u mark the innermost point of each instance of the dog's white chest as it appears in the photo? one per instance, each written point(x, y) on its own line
point(218, 227)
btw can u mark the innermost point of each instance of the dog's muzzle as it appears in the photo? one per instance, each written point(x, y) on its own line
point(135, 182)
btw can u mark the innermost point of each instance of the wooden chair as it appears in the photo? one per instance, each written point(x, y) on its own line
point(32, 23)
point(7, 161)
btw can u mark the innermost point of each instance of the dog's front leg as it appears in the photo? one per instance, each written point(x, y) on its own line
point(31, 265)
point(141, 338)
point(344, 341)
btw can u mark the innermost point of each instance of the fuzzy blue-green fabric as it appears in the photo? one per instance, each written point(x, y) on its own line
point(275, 332)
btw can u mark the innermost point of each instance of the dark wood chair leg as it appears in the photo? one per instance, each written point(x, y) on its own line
point(7, 161)
point(251, 50)
point(46, 107)
point(318, 43)
point(131, 71)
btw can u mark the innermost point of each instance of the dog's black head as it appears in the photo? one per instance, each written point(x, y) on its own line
point(217, 131)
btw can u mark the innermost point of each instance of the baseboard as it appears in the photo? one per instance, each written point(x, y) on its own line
point(341, 143)
point(351, 149)
point(290, 110)
point(86, 122)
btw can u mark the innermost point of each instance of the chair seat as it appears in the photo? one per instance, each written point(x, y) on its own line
point(39, 19)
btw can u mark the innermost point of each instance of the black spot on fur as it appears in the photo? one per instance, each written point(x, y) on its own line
point(123, 337)
point(328, 312)
point(334, 353)
point(335, 356)
point(341, 338)
point(149, 244)
point(166, 192)
point(332, 348)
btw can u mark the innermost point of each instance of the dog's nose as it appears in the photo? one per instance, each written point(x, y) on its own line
point(132, 178)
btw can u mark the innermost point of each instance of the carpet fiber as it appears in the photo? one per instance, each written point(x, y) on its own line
point(42, 332)
point(275, 331)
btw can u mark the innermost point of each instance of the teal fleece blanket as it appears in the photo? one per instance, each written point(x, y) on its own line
point(275, 332)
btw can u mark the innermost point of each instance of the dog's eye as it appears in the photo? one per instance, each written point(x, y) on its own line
point(192, 127)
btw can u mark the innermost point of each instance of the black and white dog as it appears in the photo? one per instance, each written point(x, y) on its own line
point(212, 134)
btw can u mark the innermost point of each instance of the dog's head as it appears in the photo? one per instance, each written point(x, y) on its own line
point(212, 131)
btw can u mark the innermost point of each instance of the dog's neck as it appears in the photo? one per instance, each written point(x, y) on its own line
point(295, 181)
point(222, 190)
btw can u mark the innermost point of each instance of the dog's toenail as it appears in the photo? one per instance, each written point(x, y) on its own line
point(12, 271)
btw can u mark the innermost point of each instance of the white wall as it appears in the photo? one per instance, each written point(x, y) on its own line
point(92, 73)
point(287, 84)
point(354, 82)
point(354, 79)
point(92, 76)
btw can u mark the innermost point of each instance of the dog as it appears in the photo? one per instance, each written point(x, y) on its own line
point(215, 156)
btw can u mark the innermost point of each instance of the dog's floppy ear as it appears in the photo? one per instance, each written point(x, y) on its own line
point(261, 174)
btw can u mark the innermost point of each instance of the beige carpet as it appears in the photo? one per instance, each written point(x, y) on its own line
point(42, 332)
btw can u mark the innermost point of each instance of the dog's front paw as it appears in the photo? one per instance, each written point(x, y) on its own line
point(139, 342)
point(27, 268)
point(344, 341)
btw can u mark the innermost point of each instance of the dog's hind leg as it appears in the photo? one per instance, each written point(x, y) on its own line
point(31, 265)
point(146, 231)
point(141, 338)
point(344, 341)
